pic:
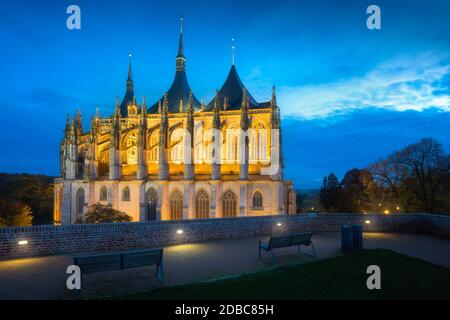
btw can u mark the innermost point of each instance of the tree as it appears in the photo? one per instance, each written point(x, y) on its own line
point(416, 177)
point(36, 191)
point(98, 213)
point(14, 214)
point(308, 201)
point(353, 191)
point(330, 193)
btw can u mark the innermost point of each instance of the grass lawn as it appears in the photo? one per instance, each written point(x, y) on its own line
point(343, 277)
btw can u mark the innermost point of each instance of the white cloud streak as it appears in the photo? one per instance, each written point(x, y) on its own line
point(400, 84)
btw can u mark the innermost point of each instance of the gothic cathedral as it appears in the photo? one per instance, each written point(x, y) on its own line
point(177, 159)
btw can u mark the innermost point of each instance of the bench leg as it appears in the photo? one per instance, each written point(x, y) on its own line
point(259, 248)
point(299, 249)
point(313, 250)
point(274, 260)
point(159, 272)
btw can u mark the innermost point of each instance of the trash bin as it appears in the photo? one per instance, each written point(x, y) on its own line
point(357, 236)
point(346, 238)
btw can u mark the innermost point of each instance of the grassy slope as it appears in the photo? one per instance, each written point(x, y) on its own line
point(343, 277)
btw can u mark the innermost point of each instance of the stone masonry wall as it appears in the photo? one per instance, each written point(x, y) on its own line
point(49, 240)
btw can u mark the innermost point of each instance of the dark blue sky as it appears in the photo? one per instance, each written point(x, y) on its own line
point(348, 95)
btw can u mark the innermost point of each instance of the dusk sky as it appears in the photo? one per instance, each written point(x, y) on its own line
point(348, 95)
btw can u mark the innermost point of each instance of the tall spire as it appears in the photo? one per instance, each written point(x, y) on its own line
point(67, 129)
point(216, 109)
point(181, 60)
point(275, 111)
point(274, 97)
point(216, 138)
point(117, 112)
point(130, 73)
point(190, 119)
point(243, 138)
point(232, 51)
point(179, 89)
point(129, 93)
point(244, 110)
point(180, 43)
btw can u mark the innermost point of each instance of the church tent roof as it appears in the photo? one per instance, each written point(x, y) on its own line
point(233, 89)
point(180, 90)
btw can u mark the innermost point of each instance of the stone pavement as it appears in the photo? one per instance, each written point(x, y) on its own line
point(45, 277)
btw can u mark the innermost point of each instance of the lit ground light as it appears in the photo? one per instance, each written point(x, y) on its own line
point(343, 277)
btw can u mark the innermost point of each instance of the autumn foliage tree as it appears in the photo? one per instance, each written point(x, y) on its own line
point(14, 214)
point(353, 191)
point(34, 191)
point(413, 179)
point(417, 177)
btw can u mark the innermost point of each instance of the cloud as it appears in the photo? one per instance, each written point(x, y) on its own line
point(361, 137)
point(399, 84)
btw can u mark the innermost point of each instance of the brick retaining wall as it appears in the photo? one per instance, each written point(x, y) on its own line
point(44, 240)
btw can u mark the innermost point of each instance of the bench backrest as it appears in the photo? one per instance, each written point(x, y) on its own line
point(280, 241)
point(119, 261)
point(104, 262)
point(301, 238)
point(144, 258)
point(295, 239)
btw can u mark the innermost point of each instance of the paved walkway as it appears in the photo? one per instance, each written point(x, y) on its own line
point(45, 277)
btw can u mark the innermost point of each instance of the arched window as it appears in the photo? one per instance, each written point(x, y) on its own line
point(229, 205)
point(131, 149)
point(153, 148)
point(257, 200)
point(152, 204)
point(258, 143)
point(198, 145)
point(176, 205)
point(103, 162)
point(126, 194)
point(103, 194)
point(208, 141)
point(176, 144)
point(232, 145)
point(79, 202)
point(202, 205)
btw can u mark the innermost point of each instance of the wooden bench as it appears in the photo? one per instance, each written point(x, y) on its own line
point(283, 241)
point(121, 261)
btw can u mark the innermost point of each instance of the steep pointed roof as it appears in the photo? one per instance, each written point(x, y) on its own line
point(233, 89)
point(129, 93)
point(180, 89)
point(180, 42)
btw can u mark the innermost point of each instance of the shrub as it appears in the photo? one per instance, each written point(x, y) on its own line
point(98, 213)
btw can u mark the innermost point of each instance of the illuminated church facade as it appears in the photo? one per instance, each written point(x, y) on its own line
point(178, 158)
